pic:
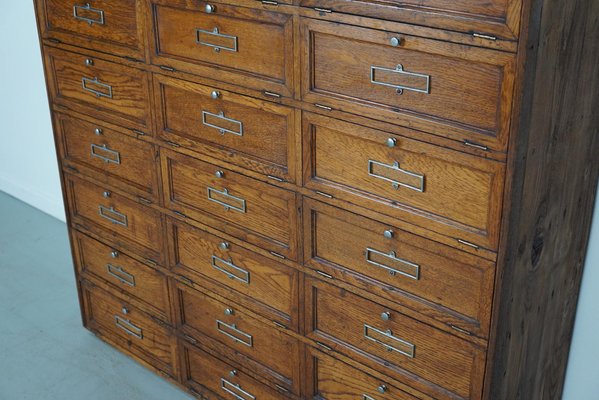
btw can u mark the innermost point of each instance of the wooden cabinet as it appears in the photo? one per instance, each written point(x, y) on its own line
point(329, 200)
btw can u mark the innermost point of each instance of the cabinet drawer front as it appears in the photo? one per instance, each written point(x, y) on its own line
point(498, 17)
point(104, 25)
point(135, 330)
point(270, 287)
point(113, 91)
point(112, 211)
point(258, 212)
point(249, 47)
point(439, 189)
point(393, 343)
point(120, 270)
point(435, 280)
point(222, 378)
point(125, 161)
point(253, 134)
point(451, 90)
point(335, 380)
point(240, 332)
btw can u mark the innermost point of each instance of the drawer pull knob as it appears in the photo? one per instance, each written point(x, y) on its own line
point(114, 254)
point(224, 246)
point(113, 215)
point(89, 62)
point(229, 311)
point(389, 342)
point(382, 389)
point(400, 266)
point(391, 142)
point(101, 89)
point(395, 41)
point(128, 327)
point(235, 334)
point(106, 194)
point(121, 275)
point(210, 8)
point(99, 132)
point(233, 373)
point(125, 310)
point(425, 80)
point(85, 13)
point(389, 234)
point(235, 390)
point(223, 198)
point(105, 154)
point(215, 94)
point(204, 37)
point(219, 174)
point(384, 171)
point(231, 270)
point(222, 123)
point(386, 316)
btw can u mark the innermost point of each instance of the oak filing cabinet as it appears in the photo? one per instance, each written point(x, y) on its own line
point(329, 199)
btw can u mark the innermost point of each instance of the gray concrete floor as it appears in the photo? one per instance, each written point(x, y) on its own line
point(45, 353)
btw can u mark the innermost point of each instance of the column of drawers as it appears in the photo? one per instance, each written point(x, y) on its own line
point(267, 202)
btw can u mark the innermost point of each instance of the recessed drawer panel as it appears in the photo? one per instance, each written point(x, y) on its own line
point(104, 25)
point(408, 350)
point(451, 286)
point(268, 287)
point(121, 271)
point(450, 90)
point(113, 212)
point(250, 133)
point(436, 188)
point(204, 371)
point(497, 17)
point(125, 161)
point(254, 211)
point(242, 333)
point(130, 328)
point(99, 88)
point(249, 47)
point(335, 380)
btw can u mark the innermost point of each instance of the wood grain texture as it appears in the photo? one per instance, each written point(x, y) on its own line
point(555, 167)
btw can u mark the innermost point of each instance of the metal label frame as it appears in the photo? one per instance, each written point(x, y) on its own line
point(86, 81)
point(215, 32)
point(116, 156)
point(221, 115)
point(88, 7)
point(250, 340)
point(122, 218)
point(399, 70)
point(392, 256)
point(389, 335)
point(225, 193)
point(128, 327)
point(225, 384)
point(245, 279)
point(395, 167)
point(121, 275)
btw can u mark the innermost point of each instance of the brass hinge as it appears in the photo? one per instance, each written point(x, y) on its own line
point(483, 36)
point(475, 145)
point(271, 94)
point(465, 243)
point(323, 10)
point(167, 68)
point(275, 178)
point(269, 2)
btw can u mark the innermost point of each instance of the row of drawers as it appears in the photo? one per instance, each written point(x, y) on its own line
point(448, 192)
point(450, 90)
point(378, 336)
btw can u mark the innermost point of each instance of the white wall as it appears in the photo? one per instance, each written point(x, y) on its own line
point(28, 168)
point(28, 171)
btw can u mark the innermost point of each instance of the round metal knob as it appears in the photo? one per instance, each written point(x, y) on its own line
point(89, 61)
point(224, 246)
point(106, 194)
point(125, 310)
point(215, 94)
point(386, 316)
point(98, 131)
point(114, 254)
point(395, 41)
point(210, 8)
point(219, 174)
point(382, 389)
point(229, 311)
point(391, 142)
point(233, 373)
point(389, 233)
